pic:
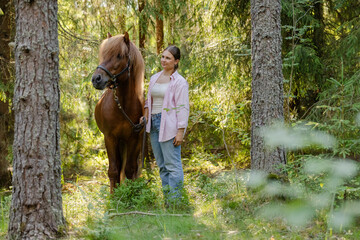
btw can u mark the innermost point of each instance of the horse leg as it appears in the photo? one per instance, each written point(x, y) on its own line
point(111, 144)
point(133, 161)
point(122, 165)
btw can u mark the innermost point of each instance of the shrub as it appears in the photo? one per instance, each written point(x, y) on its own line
point(133, 194)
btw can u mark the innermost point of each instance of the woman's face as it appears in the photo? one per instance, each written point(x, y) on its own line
point(168, 61)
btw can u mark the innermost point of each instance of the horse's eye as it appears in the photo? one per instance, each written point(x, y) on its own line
point(119, 56)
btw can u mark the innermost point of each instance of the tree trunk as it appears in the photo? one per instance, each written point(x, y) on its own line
point(267, 81)
point(159, 28)
point(142, 26)
point(36, 207)
point(6, 71)
point(319, 34)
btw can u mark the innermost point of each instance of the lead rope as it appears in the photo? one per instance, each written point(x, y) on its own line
point(143, 144)
point(136, 127)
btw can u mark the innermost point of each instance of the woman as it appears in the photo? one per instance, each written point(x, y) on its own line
point(167, 113)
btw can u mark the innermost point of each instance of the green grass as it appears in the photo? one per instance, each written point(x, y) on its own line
point(155, 227)
point(217, 205)
point(5, 200)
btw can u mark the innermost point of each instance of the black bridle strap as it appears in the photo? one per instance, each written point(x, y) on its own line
point(112, 76)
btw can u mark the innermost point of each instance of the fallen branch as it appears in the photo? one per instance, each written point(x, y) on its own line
point(148, 214)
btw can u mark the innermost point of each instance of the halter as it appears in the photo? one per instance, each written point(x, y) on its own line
point(113, 77)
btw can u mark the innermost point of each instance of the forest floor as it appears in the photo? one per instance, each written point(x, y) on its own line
point(217, 204)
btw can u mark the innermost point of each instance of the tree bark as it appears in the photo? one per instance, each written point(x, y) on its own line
point(6, 71)
point(267, 82)
point(159, 28)
point(36, 207)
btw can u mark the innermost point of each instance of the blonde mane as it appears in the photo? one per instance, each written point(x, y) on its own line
point(116, 45)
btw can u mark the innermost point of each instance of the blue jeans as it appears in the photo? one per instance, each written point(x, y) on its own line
point(168, 158)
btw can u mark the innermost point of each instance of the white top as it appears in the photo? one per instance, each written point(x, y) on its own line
point(158, 93)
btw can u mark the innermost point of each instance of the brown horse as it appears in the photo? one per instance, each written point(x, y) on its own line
point(121, 70)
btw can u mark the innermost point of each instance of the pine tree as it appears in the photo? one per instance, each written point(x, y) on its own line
point(36, 207)
point(267, 81)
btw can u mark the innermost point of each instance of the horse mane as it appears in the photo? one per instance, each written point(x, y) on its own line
point(116, 45)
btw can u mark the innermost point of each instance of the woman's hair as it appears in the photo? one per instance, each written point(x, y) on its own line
point(175, 51)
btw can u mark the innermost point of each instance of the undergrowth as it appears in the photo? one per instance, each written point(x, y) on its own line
point(222, 205)
point(4, 214)
point(319, 199)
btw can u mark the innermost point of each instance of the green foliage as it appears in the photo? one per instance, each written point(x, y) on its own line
point(222, 206)
point(133, 194)
point(306, 65)
point(233, 14)
point(317, 35)
point(80, 138)
point(214, 38)
point(225, 86)
point(209, 35)
point(221, 107)
point(4, 213)
point(318, 187)
point(337, 111)
point(317, 191)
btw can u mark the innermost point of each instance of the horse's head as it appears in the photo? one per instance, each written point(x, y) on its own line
point(114, 65)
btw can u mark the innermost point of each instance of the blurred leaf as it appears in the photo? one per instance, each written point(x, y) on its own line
point(273, 189)
point(276, 188)
point(297, 213)
point(358, 119)
point(345, 168)
point(340, 220)
point(256, 179)
point(296, 137)
point(332, 183)
point(317, 166)
point(321, 200)
point(352, 208)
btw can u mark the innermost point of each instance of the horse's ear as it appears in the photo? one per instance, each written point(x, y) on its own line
point(109, 35)
point(126, 38)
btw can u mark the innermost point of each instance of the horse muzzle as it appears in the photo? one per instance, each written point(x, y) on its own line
point(99, 82)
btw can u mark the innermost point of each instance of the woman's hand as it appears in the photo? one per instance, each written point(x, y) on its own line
point(142, 119)
point(146, 112)
point(179, 137)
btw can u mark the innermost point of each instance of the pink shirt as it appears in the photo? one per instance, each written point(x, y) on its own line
point(175, 112)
